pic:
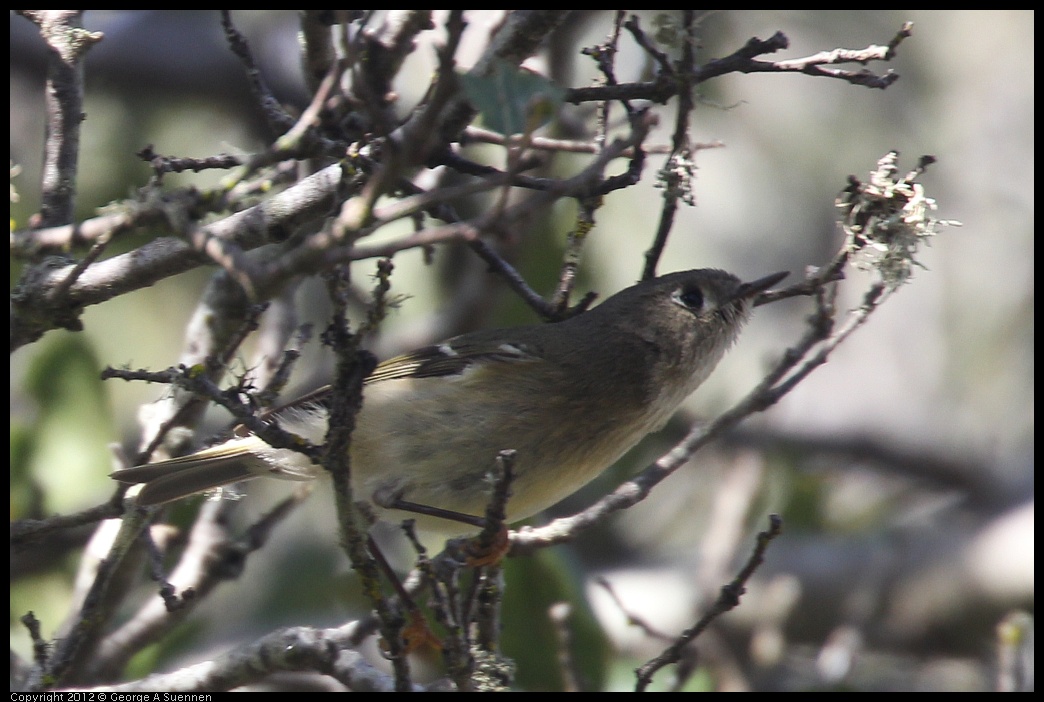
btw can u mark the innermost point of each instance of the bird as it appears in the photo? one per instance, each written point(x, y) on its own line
point(569, 397)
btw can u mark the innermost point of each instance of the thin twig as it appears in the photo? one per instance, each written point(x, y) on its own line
point(728, 599)
point(677, 173)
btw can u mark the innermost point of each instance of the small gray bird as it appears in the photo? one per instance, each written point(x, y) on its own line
point(569, 397)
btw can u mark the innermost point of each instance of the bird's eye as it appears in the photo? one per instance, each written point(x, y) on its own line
point(691, 297)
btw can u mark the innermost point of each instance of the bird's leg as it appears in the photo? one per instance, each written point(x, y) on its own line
point(492, 542)
point(429, 511)
point(489, 546)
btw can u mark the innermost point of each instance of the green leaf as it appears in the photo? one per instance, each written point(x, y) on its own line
point(511, 100)
point(534, 584)
point(64, 450)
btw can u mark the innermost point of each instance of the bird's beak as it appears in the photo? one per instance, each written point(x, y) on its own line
point(749, 290)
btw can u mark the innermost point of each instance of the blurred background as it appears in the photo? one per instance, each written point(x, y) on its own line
point(903, 468)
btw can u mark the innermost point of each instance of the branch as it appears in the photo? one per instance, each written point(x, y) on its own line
point(68, 44)
point(35, 309)
point(278, 119)
point(743, 60)
point(293, 649)
point(677, 173)
point(198, 383)
point(213, 555)
point(728, 599)
point(25, 532)
point(69, 650)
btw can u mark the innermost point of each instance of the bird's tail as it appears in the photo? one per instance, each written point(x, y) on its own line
point(173, 479)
